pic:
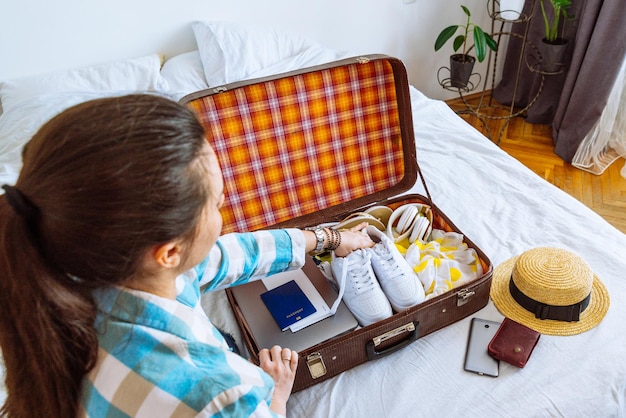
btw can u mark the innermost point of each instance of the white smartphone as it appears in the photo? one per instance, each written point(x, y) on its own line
point(477, 359)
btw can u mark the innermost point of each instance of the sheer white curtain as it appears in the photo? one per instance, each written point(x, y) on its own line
point(606, 141)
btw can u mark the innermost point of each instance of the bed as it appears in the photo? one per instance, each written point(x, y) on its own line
point(501, 205)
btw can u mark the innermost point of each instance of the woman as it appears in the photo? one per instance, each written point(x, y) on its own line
point(105, 241)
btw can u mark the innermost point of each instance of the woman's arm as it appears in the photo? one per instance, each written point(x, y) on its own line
point(350, 240)
point(236, 258)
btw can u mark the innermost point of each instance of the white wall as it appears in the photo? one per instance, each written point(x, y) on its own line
point(41, 35)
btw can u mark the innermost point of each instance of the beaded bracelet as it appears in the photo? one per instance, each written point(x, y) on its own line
point(328, 239)
point(338, 238)
point(334, 241)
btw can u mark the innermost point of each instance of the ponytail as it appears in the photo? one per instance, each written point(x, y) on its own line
point(46, 327)
point(101, 183)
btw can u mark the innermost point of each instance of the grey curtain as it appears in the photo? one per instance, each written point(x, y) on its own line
point(573, 100)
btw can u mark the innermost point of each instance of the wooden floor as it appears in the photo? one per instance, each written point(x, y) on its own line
point(532, 145)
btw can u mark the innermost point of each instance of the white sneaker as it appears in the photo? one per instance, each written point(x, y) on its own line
point(398, 280)
point(361, 291)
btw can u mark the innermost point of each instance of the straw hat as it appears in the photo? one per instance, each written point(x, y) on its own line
point(543, 283)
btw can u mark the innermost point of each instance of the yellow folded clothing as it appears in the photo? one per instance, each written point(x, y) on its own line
point(443, 263)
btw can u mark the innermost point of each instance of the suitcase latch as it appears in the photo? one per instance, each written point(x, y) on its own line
point(317, 368)
point(463, 296)
point(362, 60)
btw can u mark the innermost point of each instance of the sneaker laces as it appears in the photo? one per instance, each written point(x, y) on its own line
point(387, 262)
point(357, 267)
point(361, 280)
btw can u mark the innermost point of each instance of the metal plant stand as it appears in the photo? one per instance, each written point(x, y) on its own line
point(529, 56)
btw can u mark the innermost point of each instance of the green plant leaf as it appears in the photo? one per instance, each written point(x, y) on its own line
point(551, 22)
point(467, 12)
point(561, 4)
point(480, 43)
point(491, 43)
point(458, 42)
point(444, 36)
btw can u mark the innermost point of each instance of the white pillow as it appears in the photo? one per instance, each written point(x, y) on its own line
point(141, 74)
point(23, 120)
point(231, 52)
point(312, 56)
point(184, 74)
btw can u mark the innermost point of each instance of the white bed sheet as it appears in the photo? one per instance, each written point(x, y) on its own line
point(505, 209)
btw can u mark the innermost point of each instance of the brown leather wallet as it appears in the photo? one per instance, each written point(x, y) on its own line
point(513, 343)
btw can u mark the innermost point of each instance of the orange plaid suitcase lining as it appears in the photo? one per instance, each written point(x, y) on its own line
point(296, 145)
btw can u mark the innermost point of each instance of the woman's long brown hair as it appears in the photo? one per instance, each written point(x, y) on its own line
point(108, 179)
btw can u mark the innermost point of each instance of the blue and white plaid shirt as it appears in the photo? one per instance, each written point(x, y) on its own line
point(160, 357)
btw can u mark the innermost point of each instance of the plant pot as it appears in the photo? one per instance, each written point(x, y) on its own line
point(552, 54)
point(511, 9)
point(461, 67)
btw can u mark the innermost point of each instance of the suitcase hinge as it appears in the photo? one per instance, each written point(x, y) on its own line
point(362, 60)
point(317, 368)
point(463, 296)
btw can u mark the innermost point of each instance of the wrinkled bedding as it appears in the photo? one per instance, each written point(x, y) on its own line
point(505, 209)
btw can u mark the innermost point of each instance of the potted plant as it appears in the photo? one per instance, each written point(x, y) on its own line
point(553, 46)
point(461, 65)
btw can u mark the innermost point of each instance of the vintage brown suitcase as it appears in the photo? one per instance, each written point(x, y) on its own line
point(313, 146)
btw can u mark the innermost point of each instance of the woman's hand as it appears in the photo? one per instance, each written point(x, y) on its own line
point(280, 364)
point(353, 239)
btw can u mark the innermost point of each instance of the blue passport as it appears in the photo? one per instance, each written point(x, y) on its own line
point(288, 304)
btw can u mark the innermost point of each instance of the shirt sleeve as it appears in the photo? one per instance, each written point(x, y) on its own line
point(173, 377)
point(238, 258)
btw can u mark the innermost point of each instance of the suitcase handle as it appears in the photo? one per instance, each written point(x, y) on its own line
point(411, 328)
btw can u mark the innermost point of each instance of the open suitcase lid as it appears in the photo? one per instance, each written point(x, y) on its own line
point(311, 143)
